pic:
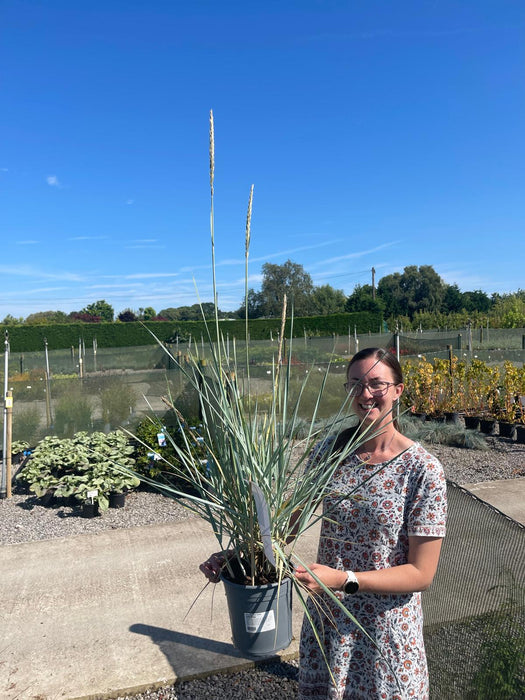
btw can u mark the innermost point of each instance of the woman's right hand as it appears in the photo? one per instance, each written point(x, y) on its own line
point(213, 566)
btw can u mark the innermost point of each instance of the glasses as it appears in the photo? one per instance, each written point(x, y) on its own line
point(375, 387)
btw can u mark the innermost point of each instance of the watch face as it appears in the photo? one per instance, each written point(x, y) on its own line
point(351, 587)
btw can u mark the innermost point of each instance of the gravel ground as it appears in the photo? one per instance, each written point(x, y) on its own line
point(23, 519)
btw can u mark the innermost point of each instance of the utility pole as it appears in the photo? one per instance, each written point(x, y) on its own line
point(373, 283)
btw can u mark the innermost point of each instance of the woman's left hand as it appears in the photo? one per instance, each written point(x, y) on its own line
point(332, 578)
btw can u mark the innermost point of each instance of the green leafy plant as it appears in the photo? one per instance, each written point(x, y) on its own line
point(74, 466)
point(155, 460)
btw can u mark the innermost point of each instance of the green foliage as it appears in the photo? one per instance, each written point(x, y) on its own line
point(101, 309)
point(26, 424)
point(114, 335)
point(327, 300)
point(118, 400)
point(72, 467)
point(73, 413)
point(156, 461)
point(440, 433)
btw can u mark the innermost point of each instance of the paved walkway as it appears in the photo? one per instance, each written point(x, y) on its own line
point(100, 615)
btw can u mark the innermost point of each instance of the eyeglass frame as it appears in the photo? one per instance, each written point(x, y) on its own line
point(383, 392)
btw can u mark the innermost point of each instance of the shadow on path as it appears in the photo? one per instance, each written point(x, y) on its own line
point(190, 656)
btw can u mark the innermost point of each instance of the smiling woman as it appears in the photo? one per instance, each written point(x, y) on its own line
point(379, 548)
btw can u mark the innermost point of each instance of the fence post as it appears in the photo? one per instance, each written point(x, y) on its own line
point(3, 488)
point(523, 342)
point(8, 443)
point(460, 341)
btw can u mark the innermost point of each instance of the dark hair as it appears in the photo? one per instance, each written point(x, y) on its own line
point(386, 358)
point(383, 356)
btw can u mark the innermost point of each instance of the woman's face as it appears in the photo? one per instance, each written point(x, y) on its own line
point(376, 399)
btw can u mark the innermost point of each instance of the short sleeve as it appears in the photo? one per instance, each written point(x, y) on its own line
point(426, 512)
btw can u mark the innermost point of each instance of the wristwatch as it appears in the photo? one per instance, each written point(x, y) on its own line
point(352, 584)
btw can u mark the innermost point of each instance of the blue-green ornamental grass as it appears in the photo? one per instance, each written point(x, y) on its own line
point(257, 447)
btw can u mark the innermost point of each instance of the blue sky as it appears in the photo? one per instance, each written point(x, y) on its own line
point(376, 134)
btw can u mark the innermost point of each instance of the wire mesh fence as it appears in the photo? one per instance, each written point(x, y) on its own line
point(90, 388)
point(475, 609)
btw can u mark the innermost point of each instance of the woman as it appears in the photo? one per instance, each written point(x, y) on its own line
point(379, 548)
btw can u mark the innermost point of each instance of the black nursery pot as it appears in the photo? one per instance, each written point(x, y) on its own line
point(117, 500)
point(472, 422)
point(89, 510)
point(488, 426)
point(520, 434)
point(507, 430)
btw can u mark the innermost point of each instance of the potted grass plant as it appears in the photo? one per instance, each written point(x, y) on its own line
point(253, 491)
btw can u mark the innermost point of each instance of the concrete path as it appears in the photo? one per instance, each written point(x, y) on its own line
point(507, 495)
point(97, 616)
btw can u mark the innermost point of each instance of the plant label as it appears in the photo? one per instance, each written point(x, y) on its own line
point(259, 622)
point(92, 494)
point(161, 439)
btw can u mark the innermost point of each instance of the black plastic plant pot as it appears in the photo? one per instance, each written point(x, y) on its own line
point(507, 429)
point(89, 510)
point(472, 422)
point(117, 500)
point(452, 417)
point(260, 617)
point(520, 434)
point(488, 426)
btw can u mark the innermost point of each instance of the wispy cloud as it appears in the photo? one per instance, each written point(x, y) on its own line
point(130, 201)
point(356, 254)
point(34, 273)
point(53, 181)
point(87, 238)
point(28, 242)
point(142, 246)
point(150, 275)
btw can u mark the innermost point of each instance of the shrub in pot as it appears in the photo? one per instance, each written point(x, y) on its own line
point(72, 467)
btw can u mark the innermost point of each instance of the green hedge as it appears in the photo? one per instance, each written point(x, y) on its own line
point(114, 335)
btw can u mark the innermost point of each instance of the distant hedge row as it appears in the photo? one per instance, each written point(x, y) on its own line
point(114, 335)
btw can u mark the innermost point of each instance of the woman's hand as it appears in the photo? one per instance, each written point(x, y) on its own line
point(213, 566)
point(332, 578)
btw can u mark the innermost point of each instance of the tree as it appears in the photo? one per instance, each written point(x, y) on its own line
point(476, 301)
point(12, 321)
point(290, 279)
point(390, 292)
point(148, 313)
point(362, 299)
point(100, 308)
point(170, 314)
point(127, 316)
point(43, 317)
point(326, 300)
point(417, 289)
point(452, 299)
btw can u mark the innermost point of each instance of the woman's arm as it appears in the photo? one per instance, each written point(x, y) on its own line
point(416, 575)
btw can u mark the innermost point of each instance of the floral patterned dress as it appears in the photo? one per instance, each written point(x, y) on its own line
point(368, 531)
